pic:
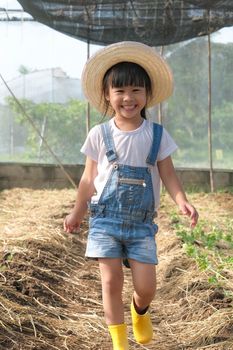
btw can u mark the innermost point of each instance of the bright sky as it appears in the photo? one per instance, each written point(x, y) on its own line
point(37, 46)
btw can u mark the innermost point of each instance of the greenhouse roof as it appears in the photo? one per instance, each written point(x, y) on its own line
point(158, 22)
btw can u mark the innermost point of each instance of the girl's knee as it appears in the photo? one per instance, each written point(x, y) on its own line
point(111, 275)
point(112, 285)
point(146, 292)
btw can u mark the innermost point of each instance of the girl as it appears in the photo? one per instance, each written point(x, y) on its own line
point(125, 159)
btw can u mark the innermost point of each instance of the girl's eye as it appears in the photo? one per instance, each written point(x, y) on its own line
point(118, 91)
point(138, 89)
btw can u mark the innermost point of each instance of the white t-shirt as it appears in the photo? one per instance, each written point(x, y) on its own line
point(132, 148)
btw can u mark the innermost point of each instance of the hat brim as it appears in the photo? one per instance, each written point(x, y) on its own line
point(156, 67)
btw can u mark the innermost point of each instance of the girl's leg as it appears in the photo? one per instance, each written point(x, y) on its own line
point(112, 284)
point(144, 280)
point(112, 279)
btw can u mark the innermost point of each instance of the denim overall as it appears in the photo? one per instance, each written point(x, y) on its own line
point(121, 223)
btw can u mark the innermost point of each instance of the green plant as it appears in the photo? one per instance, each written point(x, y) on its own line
point(205, 248)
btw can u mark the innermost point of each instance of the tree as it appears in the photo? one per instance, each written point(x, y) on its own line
point(65, 131)
point(24, 70)
point(186, 114)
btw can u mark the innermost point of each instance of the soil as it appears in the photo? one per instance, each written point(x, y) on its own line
point(50, 296)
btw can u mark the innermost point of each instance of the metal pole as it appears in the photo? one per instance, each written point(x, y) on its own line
point(160, 112)
point(160, 118)
point(88, 117)
point(210, 145)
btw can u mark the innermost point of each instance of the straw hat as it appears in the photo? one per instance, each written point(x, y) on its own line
point(127, 51)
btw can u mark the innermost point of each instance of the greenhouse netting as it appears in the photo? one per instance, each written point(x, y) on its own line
point(54, 100)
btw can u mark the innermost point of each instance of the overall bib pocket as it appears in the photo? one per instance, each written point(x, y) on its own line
point(130, 191)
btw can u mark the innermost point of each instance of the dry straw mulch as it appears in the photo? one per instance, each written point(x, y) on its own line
point(50, 295)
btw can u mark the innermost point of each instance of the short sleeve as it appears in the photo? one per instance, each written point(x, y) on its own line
point(167, 146)
point(91, 145)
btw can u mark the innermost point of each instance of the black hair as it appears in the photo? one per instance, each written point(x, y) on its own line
point(127, 74)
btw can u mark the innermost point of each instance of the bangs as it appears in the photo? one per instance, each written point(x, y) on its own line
point(126, 74)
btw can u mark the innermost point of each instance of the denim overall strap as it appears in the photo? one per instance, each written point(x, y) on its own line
point(109, 144)
point(157, 136)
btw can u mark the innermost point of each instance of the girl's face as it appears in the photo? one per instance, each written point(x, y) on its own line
point(127, 101)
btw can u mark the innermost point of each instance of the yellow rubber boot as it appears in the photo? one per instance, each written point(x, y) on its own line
point(119, 336)
point(142, 326)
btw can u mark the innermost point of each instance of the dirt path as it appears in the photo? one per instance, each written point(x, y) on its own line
point(51, 297)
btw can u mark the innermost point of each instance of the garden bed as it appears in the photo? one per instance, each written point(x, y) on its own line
point(50, 295)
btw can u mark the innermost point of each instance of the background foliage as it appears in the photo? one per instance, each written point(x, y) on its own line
point(185, 115)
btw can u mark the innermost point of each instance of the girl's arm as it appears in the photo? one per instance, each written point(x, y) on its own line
point(173, 186)
point(85, 191)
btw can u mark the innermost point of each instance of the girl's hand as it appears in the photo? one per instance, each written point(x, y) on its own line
point(85, 191)
point(71, 224)
point(188, 209)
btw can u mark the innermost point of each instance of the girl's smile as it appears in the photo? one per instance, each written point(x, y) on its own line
point(127, 101)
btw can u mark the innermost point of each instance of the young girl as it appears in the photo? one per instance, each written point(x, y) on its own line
point(125, 159)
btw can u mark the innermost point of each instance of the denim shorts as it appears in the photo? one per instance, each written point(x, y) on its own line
point(115, 238)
